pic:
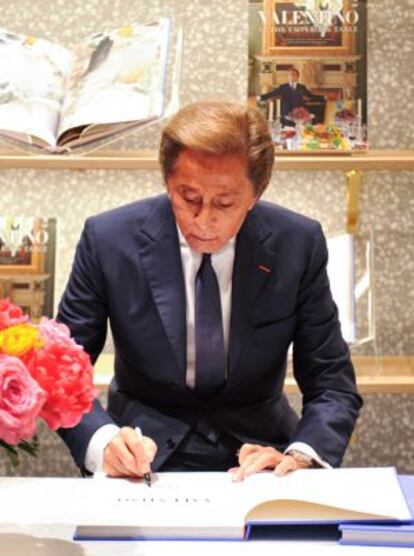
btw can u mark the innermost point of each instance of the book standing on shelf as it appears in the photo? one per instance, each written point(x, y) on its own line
point(55, 99)
point(308, 73)
point(27, 263)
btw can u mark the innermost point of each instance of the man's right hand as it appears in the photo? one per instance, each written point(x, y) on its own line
point(128, 454)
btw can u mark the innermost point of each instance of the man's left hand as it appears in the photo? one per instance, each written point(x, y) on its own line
point(254, 458)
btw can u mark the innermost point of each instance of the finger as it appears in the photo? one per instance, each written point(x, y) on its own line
point(116, 471)
point(150, 448)
point(262, 457)
point(248, 449)
point(232, 469)
point(263, 460)
point(134, 445)
point(114, 467)
point(237, 474)
point(266, 454)
point(287, 465)
point(122, 452)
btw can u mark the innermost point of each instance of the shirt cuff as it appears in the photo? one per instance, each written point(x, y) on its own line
point(308, 451)
point(97, 445)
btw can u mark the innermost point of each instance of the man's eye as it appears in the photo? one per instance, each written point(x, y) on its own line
point(225, 205)
point(192, 200)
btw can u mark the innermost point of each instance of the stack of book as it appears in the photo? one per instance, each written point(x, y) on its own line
point(384, 534)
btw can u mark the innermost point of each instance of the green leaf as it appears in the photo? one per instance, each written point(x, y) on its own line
point(11, 452)
point(31, 447)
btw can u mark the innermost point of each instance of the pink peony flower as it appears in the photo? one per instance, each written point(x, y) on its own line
point(10, 314)
point(53, 332)
point(21, 400)
point(65, 372)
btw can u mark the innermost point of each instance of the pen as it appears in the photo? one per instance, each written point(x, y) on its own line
point(147, 476)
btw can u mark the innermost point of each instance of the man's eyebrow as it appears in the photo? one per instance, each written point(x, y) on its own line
point(229, 193)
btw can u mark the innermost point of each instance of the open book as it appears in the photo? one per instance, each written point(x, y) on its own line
point(56, 99)
point(205, 505)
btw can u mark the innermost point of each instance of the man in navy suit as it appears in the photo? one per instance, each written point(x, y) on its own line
point(210, 398)
point(293, 95)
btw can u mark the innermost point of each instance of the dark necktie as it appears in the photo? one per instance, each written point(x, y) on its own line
point(210, 360)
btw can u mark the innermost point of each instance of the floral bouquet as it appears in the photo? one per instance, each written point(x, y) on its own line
point(43, 373)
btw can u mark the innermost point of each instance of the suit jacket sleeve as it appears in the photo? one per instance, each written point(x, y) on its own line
point(273, 93)
point(311, 96)
point(83, 309)
point(322, 365)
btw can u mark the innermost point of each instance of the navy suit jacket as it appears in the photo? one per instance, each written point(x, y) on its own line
point(128, 269)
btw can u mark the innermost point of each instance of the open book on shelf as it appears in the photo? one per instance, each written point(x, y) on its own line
point(56, 99)
point(206, 505)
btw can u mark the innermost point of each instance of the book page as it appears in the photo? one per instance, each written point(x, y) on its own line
point(117, 76)
point(32, 82)
point(174, 500)
point(177, 504)
point(373, 491)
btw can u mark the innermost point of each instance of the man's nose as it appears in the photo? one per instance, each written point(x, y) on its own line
point(204, 216)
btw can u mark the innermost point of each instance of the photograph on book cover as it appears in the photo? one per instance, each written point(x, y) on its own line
point(308, 73)
point(27, 263)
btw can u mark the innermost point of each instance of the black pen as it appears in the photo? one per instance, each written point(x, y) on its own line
point(147, 476)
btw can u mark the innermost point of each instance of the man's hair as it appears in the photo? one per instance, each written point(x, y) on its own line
point(294, 69)
point(220, 128)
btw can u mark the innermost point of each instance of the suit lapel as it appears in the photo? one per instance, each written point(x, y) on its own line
point(254, 266)
point(161, 260)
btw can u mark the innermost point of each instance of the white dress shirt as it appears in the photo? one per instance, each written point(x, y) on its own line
point(222, 262)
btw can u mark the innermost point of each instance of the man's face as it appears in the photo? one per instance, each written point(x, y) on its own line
point(210, 197)
point(292, 76)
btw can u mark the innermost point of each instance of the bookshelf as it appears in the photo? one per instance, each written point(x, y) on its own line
point(133, 159)
point(374, 375)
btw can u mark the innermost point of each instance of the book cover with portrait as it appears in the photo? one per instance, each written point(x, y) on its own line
point(307, 72)
point(27, 263)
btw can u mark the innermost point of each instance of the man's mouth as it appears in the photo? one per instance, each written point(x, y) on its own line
point(198, 238)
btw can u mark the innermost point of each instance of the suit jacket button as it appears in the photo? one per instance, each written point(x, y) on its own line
point(171, 444)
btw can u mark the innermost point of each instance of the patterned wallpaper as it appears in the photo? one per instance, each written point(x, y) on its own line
point(215, 63)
